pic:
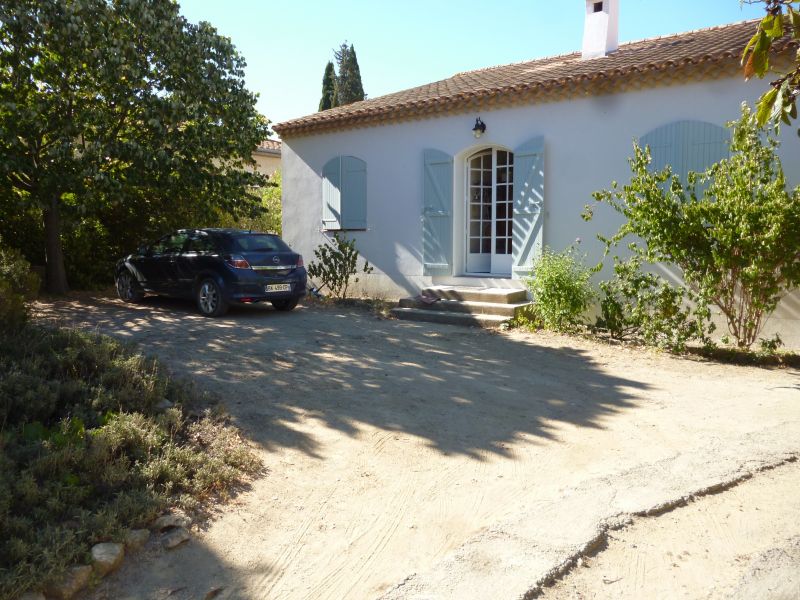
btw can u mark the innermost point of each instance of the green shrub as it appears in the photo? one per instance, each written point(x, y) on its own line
point(336, 265)
point(21, 221)
point(90, 254)
point(526, 318)
point(560, 288)
point(641, 305)
point(17, 285)
point(94, 440)
point(271, 210)
point(770, 346)
point(732, 231)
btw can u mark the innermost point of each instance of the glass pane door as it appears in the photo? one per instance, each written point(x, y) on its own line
point(490, 176)
point(479, 212)
point(504, 196)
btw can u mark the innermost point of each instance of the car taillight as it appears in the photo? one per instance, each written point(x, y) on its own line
point(237, 262)
point(300, 261)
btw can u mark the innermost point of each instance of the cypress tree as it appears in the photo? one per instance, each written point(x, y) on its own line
point(329, 99)
point(355, 76)
point(349, 88)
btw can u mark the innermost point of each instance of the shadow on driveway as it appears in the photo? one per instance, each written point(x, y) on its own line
point(465, 391)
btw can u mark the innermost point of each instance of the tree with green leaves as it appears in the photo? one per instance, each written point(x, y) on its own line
point(329, 98)
point(271, 215)
point(733, 230)
point(109, 106)
point(782, 21)
point(349, 88)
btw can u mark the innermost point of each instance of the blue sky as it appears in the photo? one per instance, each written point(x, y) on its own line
point(411, 42)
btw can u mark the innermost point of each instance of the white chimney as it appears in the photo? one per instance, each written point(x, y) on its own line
point(601, 28)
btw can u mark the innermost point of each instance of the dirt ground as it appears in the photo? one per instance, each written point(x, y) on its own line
point(739, 544)
point(411, 460)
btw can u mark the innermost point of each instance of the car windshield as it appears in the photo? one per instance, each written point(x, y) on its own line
point(259, 242)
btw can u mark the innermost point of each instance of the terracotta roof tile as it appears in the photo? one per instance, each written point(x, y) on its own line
point(269, 147)
point(693, 53)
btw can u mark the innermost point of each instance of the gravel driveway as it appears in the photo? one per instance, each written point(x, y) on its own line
point(411, 460)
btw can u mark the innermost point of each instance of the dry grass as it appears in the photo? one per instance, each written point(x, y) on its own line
point(96, 438)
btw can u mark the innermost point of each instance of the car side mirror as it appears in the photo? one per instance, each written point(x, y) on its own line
point(144, 250)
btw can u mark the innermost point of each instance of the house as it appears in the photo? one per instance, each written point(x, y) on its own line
point(464, 181)
point(267, 156)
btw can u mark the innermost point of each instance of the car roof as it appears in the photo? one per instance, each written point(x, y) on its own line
point(228, 231)
point(231, 231)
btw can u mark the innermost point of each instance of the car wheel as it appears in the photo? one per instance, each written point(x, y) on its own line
point(209, 299)
point(128, 288)
point(287, 304)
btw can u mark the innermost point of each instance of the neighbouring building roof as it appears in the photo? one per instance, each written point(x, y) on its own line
point(272, 147)
point(694, 55)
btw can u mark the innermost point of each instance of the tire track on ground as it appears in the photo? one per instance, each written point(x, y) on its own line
point(291, 550)
point(353, 565)
point(381, 542)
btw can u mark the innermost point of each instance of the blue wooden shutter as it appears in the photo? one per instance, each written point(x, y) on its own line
point(354, 193)
point(686, 146)
point(437, 213)
point(526, 241)
point(331, 194)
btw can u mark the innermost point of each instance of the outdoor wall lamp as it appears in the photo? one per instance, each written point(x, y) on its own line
point(480, 128)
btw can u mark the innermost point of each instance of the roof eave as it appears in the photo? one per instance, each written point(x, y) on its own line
point(267, 152)
point(669, 72)
point(603, 82)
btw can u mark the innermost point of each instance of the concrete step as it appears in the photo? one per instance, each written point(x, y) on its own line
point(451, 318)
point(476, 308)
point(477, 294)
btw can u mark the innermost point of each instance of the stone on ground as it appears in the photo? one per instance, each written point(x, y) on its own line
point(107, 557)
point(74, 581)
point(175, 537)
point(171, 520)
point(136, 538)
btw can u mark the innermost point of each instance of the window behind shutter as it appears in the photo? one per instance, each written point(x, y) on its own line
point(437, 213)
point(686, 146)
point(354, 193)
point(526, 243)
point(331, 194)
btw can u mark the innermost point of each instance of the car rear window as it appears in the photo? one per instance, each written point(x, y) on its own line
point(259, 242)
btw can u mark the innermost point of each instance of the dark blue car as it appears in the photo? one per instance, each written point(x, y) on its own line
point(215, 267)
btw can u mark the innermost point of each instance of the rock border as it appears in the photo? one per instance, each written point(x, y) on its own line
point(107, 557)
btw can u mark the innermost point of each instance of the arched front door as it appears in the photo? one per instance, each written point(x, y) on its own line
point(490, 194)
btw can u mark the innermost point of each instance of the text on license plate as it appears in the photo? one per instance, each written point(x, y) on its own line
point(278, 287)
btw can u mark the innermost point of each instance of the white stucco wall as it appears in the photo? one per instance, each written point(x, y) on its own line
point(587, 144)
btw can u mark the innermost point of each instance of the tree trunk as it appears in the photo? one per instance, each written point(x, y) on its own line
point(55, 273)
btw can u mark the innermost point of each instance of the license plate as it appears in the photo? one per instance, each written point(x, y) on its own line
point(278, 287)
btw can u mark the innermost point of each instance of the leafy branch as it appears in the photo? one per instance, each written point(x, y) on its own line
point(780, 25)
